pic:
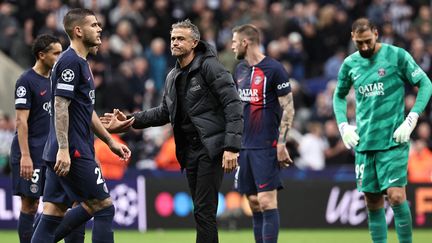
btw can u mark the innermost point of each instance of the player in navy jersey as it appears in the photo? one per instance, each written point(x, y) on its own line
point(72, 172)
point(264, 88)
point(32, 104)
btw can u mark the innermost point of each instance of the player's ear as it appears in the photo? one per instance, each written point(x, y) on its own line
point(41, 55)
point(78, 31)
point(375, 32)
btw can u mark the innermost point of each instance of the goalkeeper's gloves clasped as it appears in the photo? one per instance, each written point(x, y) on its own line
point(349, 135)
point(403, 132)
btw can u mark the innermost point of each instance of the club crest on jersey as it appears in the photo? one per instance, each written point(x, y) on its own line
point(34, 188)
point(381, 72)
point(21, 91)
point(258, 80)
point(67, 75)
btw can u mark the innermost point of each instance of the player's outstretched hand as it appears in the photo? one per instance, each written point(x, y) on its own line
point(229, 161)
point(120, 149)
point(283, 156)
point(63, 162)
point(349, 135)
point(26, 167)
point(116, 122)
point(403, 132)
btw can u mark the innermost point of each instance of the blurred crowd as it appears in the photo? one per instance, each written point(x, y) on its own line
point(310, 37)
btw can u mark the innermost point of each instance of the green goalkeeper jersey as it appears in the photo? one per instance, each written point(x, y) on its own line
point(379, 84)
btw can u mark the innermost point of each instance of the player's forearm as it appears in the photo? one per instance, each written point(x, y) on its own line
point(100, 130)
point(339, 107)
point(22, 130)
point(61, 106)
point(287, 104)
point(423, 96)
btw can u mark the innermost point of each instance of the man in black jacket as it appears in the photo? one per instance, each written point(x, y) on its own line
point(202, 104)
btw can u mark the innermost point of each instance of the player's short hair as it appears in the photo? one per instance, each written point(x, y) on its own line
point(251, 32)
point(42, 43)
point(187, 24)
point(361, 25)
point(75, 17)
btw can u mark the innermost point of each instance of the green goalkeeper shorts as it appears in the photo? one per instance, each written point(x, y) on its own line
point(378, 170)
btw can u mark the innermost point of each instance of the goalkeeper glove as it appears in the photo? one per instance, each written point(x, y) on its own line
point(403, 132)
point(349, 135)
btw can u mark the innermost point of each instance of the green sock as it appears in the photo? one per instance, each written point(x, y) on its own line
point(377, 225)
point(403, 222)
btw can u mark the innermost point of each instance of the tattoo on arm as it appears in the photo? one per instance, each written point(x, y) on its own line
point(61, 105)
point(287, 104)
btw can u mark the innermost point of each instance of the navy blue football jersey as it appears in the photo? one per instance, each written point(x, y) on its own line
point(32, 92)
point(259, 87)
point(72, 79)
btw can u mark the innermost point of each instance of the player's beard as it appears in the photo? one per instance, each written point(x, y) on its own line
point(368, 53)
point(240, 55)
point(89, 42)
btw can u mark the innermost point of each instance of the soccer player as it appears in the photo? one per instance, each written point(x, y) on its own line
point(32, 104)
point(379, 72)
point(72, 172)
point(265, 90)
point(202, 104)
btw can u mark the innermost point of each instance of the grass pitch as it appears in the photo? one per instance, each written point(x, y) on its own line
point(245, 236)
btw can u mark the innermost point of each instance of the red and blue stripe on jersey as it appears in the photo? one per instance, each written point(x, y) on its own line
point(259, 87)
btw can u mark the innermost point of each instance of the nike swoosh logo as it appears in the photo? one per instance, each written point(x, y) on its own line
point(402, 225)
point(393, 180)
point(356, 77)
point(42, 93)
point(89, 78)
point(261, 186)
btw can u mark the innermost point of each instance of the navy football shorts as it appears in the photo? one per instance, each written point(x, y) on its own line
point(83, 182)
point(32, 188)
point(258, 171)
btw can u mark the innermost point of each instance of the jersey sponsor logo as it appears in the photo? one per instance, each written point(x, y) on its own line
point(416, 72)
point(47, 107)
point(283, 86)
point(374, 89)
point(21, 91)
point(381, 72)
point(92, 96)
point(42, 93)
point(393, 180)
point(248, 94)
point(67, 75)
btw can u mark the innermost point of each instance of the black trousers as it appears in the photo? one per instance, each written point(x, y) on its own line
point(204, 178)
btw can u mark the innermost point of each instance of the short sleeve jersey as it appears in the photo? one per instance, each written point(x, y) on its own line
point(379, 84)
point(259, 87)
point(72, 79)
point(32, 92)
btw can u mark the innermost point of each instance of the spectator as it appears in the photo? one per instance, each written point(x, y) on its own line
point(158, 64)
point(311, 148)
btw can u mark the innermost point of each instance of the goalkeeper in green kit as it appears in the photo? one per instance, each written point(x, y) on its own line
point(378, 72)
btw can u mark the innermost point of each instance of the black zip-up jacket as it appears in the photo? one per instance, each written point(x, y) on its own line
point(214, 105)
